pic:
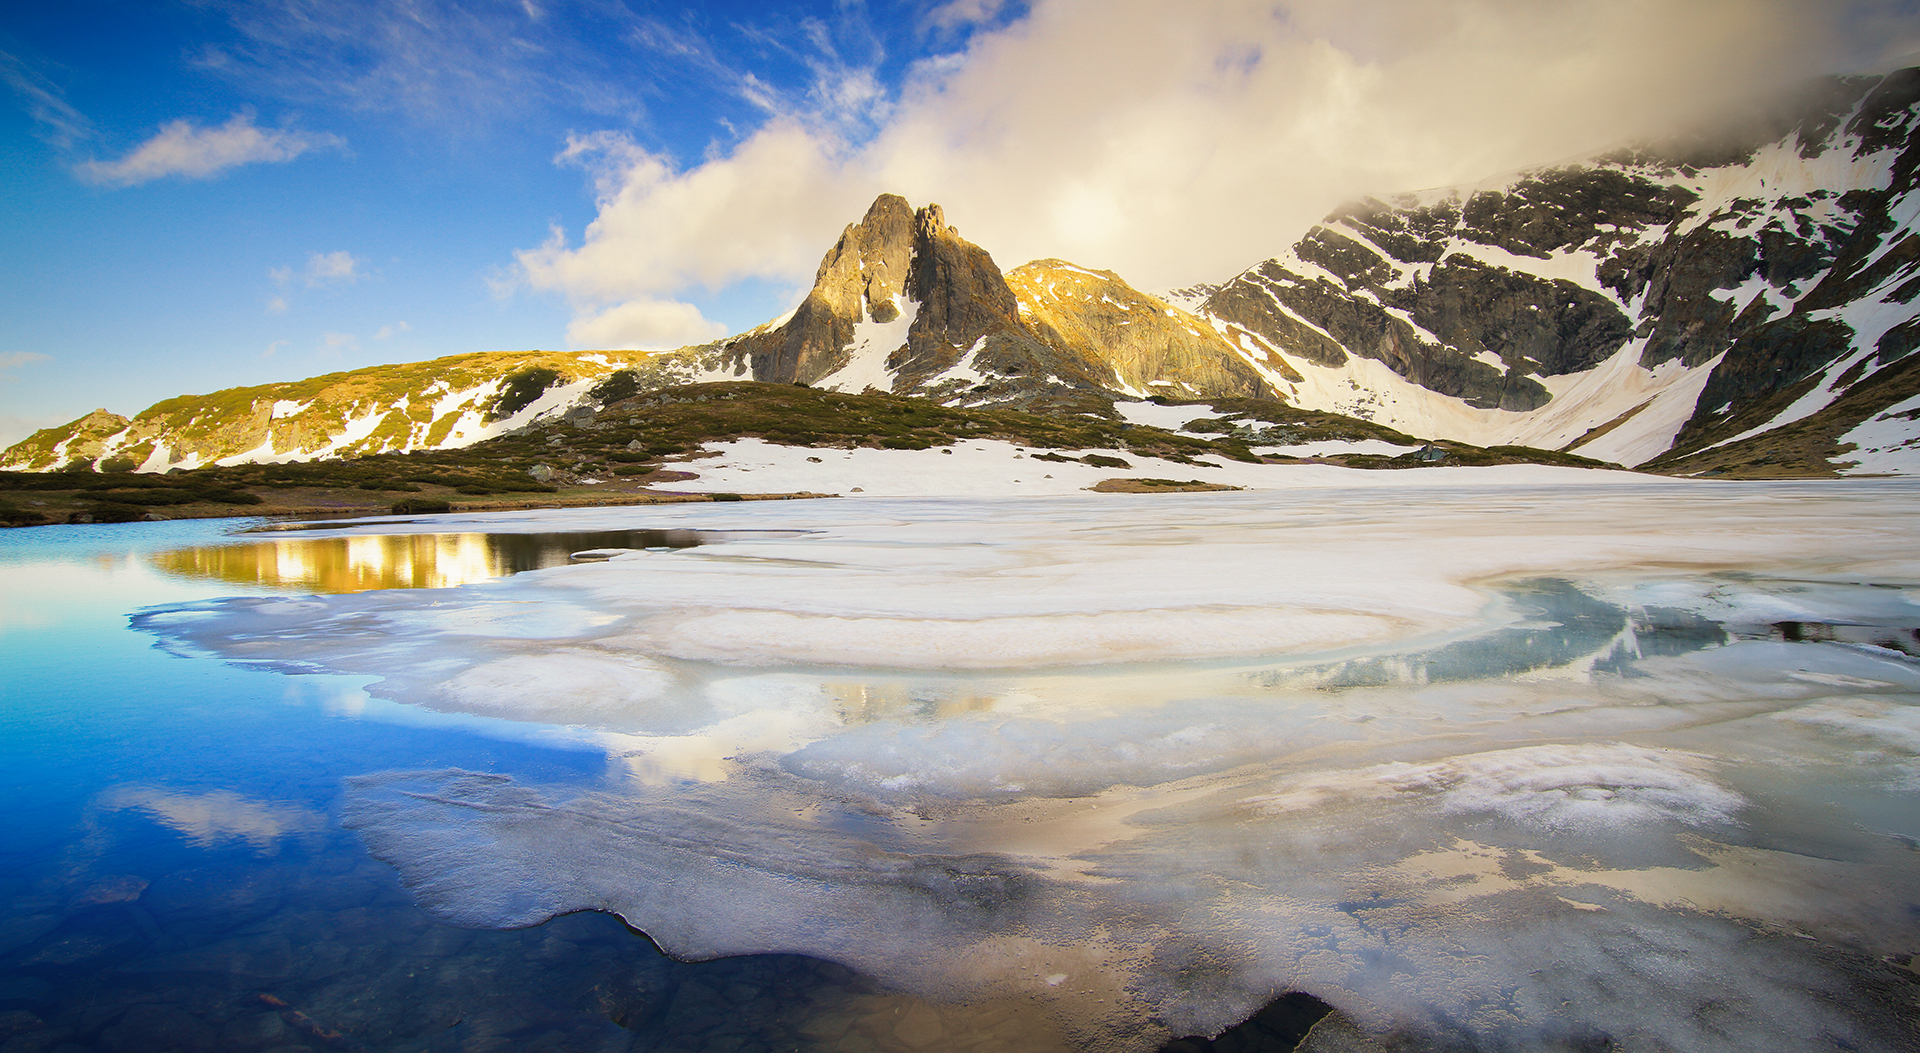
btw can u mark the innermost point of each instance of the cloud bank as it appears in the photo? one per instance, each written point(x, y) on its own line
point(191, 152)
point(1172, 144)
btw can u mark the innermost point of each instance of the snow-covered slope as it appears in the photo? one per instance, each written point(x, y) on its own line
point(1674, 297)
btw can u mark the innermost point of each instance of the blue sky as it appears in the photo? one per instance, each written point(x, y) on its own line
point(345, 183)
point(197, 194)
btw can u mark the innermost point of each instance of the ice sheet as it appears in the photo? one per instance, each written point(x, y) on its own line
point(1515, 766)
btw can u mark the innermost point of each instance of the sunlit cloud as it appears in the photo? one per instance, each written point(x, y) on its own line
point(322, 269)
point(644, 325)
point(1173, 145)
point(957, 13)
point(12, 360)
point(333, 342)
point(388, 332)
point(188, 151)
point(701, 229)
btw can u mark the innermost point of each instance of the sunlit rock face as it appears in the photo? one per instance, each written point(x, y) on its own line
point(1672, 296)
point(1143, 345)
point(1484, 767)
point(903, 304)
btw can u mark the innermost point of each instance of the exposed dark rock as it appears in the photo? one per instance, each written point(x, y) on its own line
point(1546, 328)
point(1560, 208)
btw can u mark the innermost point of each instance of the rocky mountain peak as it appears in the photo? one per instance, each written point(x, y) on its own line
point(903, 304)
point(897, 268)
point(865, 272)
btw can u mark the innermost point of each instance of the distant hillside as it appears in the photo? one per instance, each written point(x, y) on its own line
point(444, 403)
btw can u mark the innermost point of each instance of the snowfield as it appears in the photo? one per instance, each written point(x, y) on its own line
point(984, 468)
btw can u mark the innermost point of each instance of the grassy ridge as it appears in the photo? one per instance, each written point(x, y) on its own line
point(639, 441)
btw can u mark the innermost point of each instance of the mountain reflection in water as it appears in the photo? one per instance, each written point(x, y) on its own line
point(395, 561)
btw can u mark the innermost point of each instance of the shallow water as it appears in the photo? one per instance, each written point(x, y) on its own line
point(175, 875)
point(1509, 768)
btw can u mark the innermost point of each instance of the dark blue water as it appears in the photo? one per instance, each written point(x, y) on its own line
point(174, 875)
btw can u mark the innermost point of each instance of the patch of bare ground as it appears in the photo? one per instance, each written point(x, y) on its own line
point(1131, 485)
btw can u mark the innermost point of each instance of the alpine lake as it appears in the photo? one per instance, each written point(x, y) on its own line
point(1489, 766)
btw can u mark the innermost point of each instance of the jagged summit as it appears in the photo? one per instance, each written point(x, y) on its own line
point(903, 304)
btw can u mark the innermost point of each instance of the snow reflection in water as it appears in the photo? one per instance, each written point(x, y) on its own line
point(1150, 774)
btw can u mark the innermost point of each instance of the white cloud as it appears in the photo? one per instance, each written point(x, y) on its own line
point(388, 332)
point(336, 341)
point(273, 348)
point(1175, 144)
point(183, 149)
point(323, 268)
point(761, 212)
point(643, 325)
point(957, 13)
point(332, 267)
point(14, 359)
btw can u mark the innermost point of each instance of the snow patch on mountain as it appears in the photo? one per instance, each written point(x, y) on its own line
point(1886, 443)
point(873, 343)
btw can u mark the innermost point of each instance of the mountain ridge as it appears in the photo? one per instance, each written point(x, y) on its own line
point(1670, 304)
point(1696, 279)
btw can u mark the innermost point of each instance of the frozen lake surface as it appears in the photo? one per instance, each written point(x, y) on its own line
point(1526, 765)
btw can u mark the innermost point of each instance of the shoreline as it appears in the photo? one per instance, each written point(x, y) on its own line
point(342, 511)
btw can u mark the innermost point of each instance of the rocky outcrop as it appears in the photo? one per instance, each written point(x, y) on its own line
point(78, 441)
point(861, 279)
point(1136, 343)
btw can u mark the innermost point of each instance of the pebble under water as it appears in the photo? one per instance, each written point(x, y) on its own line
point(1548, 768)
